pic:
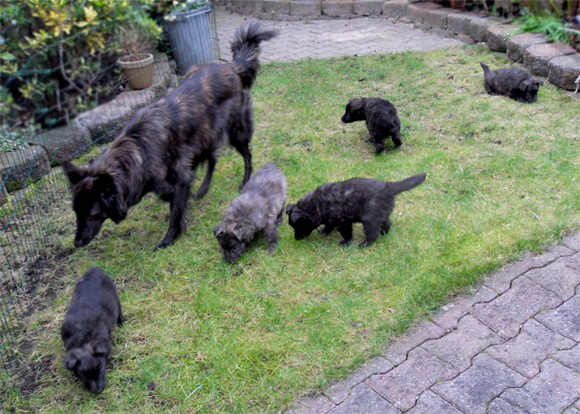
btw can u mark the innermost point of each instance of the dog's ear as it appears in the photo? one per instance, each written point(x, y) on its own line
point(74, 172)
point(239, 232)
point(218, 230)
point(101, 348)
point(289, 208)
point(112, 200)
point(70, 360)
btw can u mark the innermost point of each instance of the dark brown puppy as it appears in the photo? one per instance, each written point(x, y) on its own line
point(257, 210)
point(381, 118)
point(162, 144)
point(339, 205)
point(86, 331)
point(514, 83)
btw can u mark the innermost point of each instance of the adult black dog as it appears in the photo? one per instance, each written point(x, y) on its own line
point(339, 205)
point(516, 84)
point(162, 145)
point(381, 119)
point(86, 331)
point(259, 209)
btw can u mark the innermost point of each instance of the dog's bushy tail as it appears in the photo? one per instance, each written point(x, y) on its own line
point(246, 50)
point(406, 184)
point(485, 68)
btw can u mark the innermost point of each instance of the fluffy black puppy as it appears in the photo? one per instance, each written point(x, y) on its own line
point(86, 331)
point(514, 83)
point(381, 118)
point(339, 205)
point(258, 209)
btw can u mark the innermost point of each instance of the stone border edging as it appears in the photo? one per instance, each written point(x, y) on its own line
point(48, 148)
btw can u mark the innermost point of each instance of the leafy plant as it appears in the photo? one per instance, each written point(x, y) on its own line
point(56, 56)
point(12, 139)
point(545, 22)
point(169, 9)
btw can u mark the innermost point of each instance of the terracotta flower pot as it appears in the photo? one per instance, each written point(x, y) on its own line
point(138, 69)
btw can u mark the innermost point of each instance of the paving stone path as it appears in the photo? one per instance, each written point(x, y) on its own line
point(513, 346)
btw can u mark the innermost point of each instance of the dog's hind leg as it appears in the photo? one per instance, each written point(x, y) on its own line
point(280, 217)
point(240, 135)
point(372, 232)
point(244, 149)
point(345, 231)
point(386, 226)
point(204, 187)
point(378, 142)
point(396, 137)
point(177, 208)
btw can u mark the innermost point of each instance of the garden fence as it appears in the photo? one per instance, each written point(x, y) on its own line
point(33, 188)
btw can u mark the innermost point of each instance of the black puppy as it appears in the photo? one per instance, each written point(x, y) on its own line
point(258, 209)
point(514, 83)
point(86, 331)
point(339, 205)
point(381, 118)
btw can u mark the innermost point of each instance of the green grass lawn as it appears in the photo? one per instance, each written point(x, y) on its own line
point(205, 336)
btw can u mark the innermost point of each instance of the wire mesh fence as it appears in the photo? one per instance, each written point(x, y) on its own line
point(33, 189)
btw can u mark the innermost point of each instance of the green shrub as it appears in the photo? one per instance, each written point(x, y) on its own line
point(549, 24)
point(12, 139)
point(57, 56)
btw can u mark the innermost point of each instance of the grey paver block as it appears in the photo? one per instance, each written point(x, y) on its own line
point(500, 406)
point(565, 319)
point(396, 352)
point(540, 395)
point(556, 277)
point(429, 402)
point(474, 388)
point(306, 8)
point(459, 23)
point(405, 383)
point(572, 241)
point(449, 315)
point(501, 281)
point(570, 358)
point(63, 143)
point(478, 27)
point(19, 167)
point(564, 70)
point(365, 400)
point(395, 10)
point(368, 7)
point(339, 392)
point(458, 347)
point(318, 404)
point(436, 19)
point(536, 57)
point(517, 44)
point(573, 262)
point(496, 37)
point(525, 352)
point(572, 410)
point(337, 8)
point(506, 313)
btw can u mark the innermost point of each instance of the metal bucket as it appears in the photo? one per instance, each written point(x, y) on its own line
point(190, 39)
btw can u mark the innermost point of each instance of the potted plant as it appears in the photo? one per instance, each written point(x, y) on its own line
point(136, 65)
point(188, 28)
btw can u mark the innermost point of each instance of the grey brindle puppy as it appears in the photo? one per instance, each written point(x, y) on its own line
point(381, 119)
point(86, 331)
point(514, 83)
point(339, 205)
point(258, 209)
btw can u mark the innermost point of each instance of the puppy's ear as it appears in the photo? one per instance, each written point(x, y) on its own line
point(289, 208)
point(113, 202)
point(239, 232)
point(101, 348)
point(70, 360)
point(218, 231)
point(74, 172)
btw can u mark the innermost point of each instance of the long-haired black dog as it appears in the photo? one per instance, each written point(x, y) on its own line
point(86, 331)
point(258, 209)
point(339, 205)
point(162, 145)
point(381, 119)
point(514, 83)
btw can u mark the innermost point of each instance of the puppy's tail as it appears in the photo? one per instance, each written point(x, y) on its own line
point(408, 183)
point(485, 67)
point(246, 50)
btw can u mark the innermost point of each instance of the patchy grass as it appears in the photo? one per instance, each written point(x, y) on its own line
point(205, 336)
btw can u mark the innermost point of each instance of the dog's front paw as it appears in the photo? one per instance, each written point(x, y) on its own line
point(344, 242)
point(164, 244)
point(272, 247)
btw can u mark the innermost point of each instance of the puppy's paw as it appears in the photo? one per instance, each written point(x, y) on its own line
point(272, 247)
point(344, 242)
point(379, 148)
